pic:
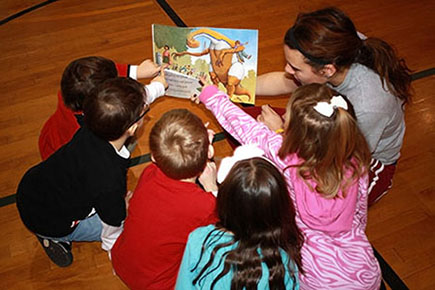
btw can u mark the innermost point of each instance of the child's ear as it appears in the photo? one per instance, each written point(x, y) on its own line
point(328, 70)
point(210, 151)
point(152, 159)
point(132, 129)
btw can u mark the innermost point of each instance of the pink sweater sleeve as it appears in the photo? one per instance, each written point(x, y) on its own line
point(240, 125)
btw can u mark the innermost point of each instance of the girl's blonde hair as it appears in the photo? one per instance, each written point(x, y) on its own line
point(328, 146)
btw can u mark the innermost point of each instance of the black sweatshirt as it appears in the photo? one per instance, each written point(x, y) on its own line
point(85, 173)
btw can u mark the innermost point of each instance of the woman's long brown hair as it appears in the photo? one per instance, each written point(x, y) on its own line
point(329, 36)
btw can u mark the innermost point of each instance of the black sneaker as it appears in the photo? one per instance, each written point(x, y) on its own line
point(58, 252)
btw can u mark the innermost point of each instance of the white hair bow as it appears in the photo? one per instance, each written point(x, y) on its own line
point(241, 153)
point(327, 109)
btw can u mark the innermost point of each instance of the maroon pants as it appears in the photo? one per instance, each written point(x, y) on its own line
point(380, 180)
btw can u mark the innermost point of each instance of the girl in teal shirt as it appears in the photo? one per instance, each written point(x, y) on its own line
point(256, 244)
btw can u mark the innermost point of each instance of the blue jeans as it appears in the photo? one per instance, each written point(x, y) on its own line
point(88, 230)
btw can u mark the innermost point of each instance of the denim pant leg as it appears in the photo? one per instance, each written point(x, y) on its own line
point(88, 230)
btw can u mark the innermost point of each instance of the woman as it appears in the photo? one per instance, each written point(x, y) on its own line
point(324, 47)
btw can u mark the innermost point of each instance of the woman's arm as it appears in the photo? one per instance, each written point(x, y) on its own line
point(275, 83)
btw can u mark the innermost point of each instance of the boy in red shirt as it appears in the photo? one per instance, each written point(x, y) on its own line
point(79, 78)
point(167, 203)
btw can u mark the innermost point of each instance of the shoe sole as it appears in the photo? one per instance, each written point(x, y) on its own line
point(56, 252)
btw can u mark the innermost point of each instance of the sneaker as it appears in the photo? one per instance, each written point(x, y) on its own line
point(58, 252)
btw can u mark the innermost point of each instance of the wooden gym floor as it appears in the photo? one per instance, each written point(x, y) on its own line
point(36, 46)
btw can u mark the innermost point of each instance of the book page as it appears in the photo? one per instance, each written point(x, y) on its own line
point(181, 85)
point(226, 57)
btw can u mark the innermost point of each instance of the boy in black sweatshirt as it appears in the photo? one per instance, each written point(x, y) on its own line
point(78, 193)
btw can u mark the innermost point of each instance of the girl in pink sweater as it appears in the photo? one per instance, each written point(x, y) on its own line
point(324, 158)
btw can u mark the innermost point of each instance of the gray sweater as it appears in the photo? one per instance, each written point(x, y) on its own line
point(379, 113)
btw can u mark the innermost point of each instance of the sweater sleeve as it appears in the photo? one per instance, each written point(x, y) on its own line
point(372, 125)
point(123, 69)
point(240, 125)
point(109, 234)
point(154, 90)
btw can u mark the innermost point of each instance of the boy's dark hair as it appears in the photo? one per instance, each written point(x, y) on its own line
point(179, 144)
point(83, 75)
point(113, 107)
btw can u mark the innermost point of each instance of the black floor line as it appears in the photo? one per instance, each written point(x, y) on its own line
point(388, 275)
point(9, 199)
point(423, 74)
point(171, 13)
point(25, 11)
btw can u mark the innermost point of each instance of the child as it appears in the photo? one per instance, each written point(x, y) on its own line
point(324, 158)
point(77, 194)
point(80, 77)
point(256, 244)
point(323, 46)
point(167, 204)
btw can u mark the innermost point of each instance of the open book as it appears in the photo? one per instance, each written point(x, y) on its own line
point(226, 57)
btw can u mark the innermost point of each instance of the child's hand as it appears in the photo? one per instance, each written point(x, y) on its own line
point(147, 69)
point(210, 132)
point(270, 118)
point(161, 77)
point(208, 177)
point(203, 81)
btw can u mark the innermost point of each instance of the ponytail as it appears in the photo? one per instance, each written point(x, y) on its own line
point(379, 56)
point(329, 36)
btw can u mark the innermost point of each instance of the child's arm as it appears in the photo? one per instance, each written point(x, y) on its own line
point(156, 88)
point(239, 124)
point(109, 234)
point(111, 208)
point(147, 69)
point(270, 118)
point(208, 178)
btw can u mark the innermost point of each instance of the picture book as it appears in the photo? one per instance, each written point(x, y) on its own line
point(226, 57)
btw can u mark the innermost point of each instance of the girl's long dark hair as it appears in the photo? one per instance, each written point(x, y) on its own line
point(253, 204)
point(329, 36)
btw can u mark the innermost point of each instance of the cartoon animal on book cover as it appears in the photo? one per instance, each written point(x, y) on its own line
point(226, 59)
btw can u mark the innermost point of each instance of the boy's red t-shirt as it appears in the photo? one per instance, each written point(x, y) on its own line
point(161, 214)
point(62, 125)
